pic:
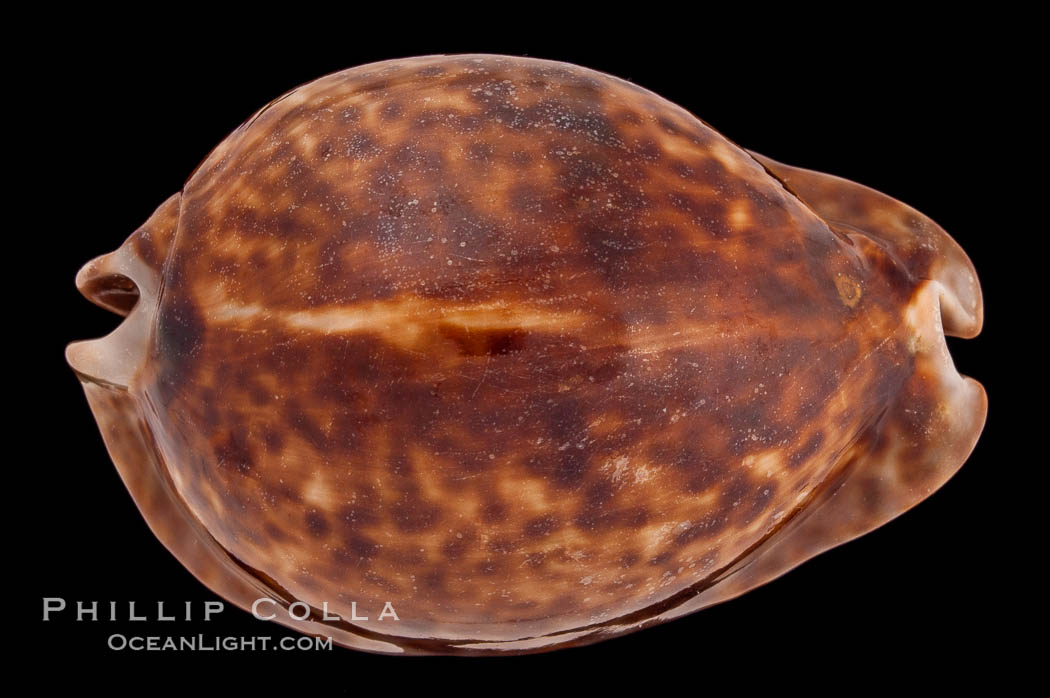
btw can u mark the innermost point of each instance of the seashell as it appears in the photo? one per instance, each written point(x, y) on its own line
point(522, 352)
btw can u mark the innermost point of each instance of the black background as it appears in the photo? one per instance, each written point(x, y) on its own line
point(117, 122)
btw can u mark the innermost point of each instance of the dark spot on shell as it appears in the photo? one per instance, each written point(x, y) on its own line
point(454, 547)
point(316, 524)
point(361, 146)
point(661, 559)
point(629, 559)
point(713, 173)
point(800, 456)
point(872, 498)
point(433, 581)
point(494, 512)
point(484, 341)
point(569, 467)
point(300, 421)
point(412, 515)
point(273, 439)
point(704, 473)
point(711, 216)
point(669, 126)
point(469, 123)
point(428, 118)
point(274, 533)
point(382, 582)
point(635, 517)
point(737, 489)
point(180, 333)
point(147, 249)
point(281, 492)
point(648, 150)
point(233, 452)
point(529, 199)
point(761, 498)
point(606, 371)
point(324, 149)
point(597, 510)
point(629, 117)
point(356, 548)
point(489, 568)
point(681, 169)
point(358, 516)
point(540, 527)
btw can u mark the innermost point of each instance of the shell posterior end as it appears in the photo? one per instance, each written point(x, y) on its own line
point(120, 282)
point(126, 282)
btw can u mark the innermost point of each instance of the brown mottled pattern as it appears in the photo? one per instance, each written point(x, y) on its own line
point(522, 349)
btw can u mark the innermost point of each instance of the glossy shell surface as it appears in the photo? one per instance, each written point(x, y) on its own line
point(523, 350)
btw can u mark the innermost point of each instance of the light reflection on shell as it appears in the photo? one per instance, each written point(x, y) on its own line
point(524, 350)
